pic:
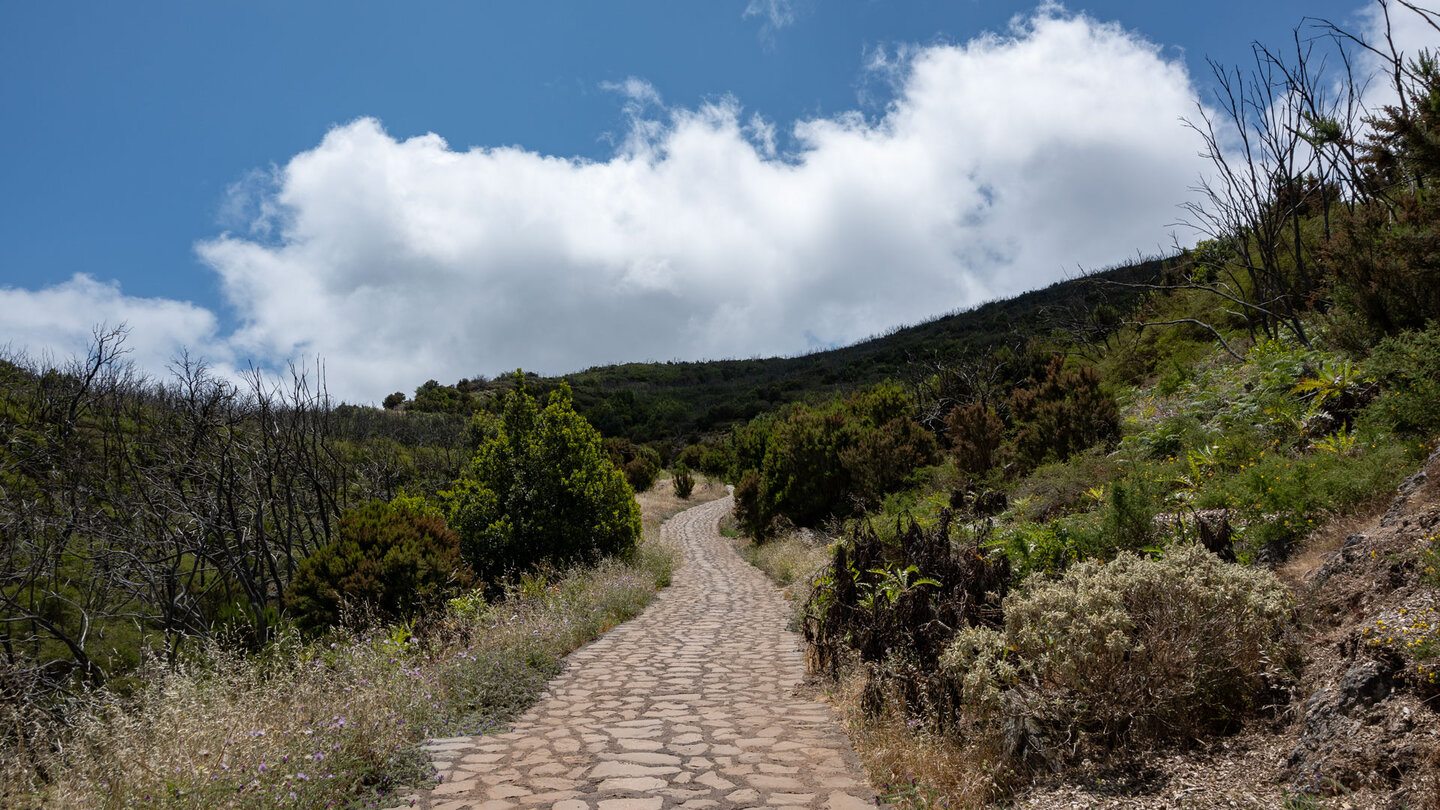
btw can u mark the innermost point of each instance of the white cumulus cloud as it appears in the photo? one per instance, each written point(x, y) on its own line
point(999, 165)
point(60, 321)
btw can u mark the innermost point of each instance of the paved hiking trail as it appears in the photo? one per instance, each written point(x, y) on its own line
point(692, 705)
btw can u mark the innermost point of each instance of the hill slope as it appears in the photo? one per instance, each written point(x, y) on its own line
point(666, 401)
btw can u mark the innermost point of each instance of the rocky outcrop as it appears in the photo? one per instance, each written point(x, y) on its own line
point(1370, 720)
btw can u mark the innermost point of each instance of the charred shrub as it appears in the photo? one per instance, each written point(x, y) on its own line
point(898, 603)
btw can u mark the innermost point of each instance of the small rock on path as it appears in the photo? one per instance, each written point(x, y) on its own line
point(692, 705)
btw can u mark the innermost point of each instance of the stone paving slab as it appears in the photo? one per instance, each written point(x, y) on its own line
point(692, 705)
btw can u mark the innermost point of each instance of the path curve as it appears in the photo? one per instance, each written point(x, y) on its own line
point(692, 705)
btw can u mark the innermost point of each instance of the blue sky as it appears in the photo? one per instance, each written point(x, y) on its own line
point(158, 148)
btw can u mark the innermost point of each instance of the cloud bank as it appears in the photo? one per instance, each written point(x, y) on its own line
point(60, 321)
point(999, 165)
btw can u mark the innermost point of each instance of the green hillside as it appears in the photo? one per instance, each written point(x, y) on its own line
point(674, 403)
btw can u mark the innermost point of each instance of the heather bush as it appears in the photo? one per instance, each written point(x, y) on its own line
point(1128, 520)
point(1407, 367)
point(540, 490)
point(1385, 255)
point(749, 514)
point(1061, 414)
point(1130, 650)
point(641, 472)
point(712, 456)
point(390, 562)
point(976, 435)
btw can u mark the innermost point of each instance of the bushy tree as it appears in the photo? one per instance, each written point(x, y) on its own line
point(540, 489)
point(396, 560)
point(829, 459)
point(1405, 367)
point(1386, 254)
point(432, 397)
point(712, 456)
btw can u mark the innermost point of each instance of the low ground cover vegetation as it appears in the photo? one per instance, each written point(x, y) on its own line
point(334, 721)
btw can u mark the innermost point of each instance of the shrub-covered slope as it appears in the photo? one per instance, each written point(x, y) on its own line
point(658, 402)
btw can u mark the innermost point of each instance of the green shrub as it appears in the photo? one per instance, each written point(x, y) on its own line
point(712, 456)
point(1407, 368)
point(641, 473)
point(749, 513)
point(1050, 547)
point(1171, 436)
point(1281, 498)
point(540, 489)
point(1060, 487)
point(640, 464)
point(395, 561)
point(1131, 650)
point(684, 482)
point(432, 397)
point(1386, 263)
point(832, 459)
point(1128, 521)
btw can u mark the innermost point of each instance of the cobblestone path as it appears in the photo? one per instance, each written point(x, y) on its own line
point(692, 705)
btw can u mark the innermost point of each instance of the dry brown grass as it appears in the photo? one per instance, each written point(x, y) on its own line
point(910, 765)
point(1297, 571)
point(792, 561)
